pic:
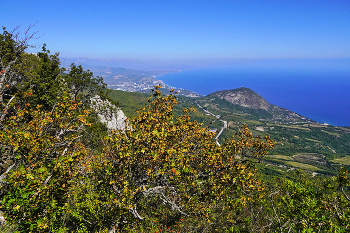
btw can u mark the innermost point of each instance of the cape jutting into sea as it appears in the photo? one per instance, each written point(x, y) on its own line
point(317, 89)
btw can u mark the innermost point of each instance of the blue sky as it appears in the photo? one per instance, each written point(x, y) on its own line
point(177, 29)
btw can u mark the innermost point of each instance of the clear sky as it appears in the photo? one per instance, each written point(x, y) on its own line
point(186, 29)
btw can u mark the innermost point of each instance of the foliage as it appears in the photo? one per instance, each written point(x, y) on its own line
point(45, 153)
point(82, 85)
point(306, 205)
point(170, 168)
point(43, 133)
point(63, 171)
point(6, 228)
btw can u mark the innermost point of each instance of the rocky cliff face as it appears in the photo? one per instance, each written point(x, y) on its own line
point(112, 116)
point(244, 97)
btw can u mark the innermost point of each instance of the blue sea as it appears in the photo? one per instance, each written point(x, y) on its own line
point(317, 89)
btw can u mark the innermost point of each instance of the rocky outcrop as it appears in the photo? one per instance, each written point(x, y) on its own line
point(2, 219)
point(109, 114)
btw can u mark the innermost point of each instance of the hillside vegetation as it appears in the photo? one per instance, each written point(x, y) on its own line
point(295, 135)
point(64, 171)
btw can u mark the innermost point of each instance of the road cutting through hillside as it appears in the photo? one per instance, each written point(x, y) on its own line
point(218, 118)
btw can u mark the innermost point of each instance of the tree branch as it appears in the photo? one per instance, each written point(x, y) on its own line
point(6, 109)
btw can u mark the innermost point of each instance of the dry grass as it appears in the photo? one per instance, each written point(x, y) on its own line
point(331, 133)
point(289, 161)
point(311, 158)
point(289, 126)
point(316, 126)
point(303, 166)
point(296, 127)
point(343, 161)
point(253, 122)
point(280, 157)
point(313, 140)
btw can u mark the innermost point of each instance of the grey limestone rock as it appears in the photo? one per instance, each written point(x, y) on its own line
point(113, 116)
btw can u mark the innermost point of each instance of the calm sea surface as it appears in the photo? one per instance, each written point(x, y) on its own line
point(321, 94)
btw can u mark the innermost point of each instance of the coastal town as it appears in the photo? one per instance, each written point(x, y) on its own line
point(135, 80)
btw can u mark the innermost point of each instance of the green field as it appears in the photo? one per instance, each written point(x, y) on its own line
point(303, 166)
point(343, 161)
point(279, 157)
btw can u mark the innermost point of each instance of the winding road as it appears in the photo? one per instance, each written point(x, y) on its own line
point(218, 118)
